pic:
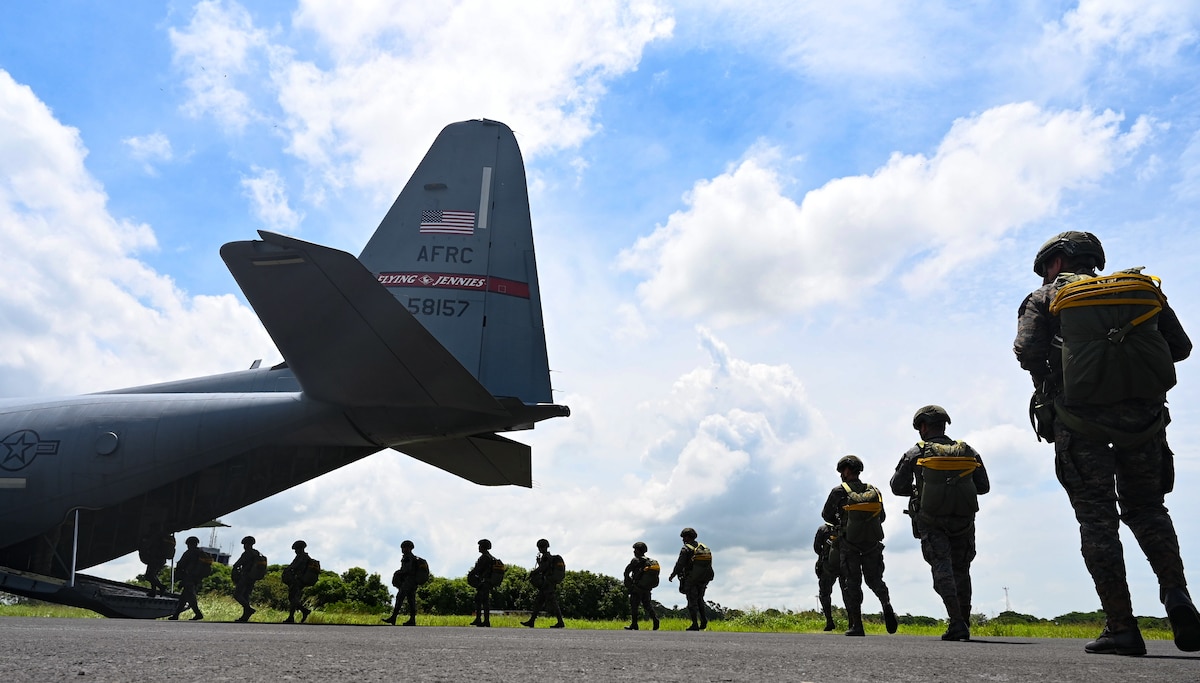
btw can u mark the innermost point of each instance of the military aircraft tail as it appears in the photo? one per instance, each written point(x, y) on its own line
point(456, 250)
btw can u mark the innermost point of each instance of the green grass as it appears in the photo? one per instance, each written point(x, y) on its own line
point(224, 609)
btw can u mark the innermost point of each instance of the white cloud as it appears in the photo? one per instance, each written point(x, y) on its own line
point(362, 113)
point(268, 197)
point(1153, 32)
point(742, 249)
point(84, 312)
point(216, 49)
point(150, 149)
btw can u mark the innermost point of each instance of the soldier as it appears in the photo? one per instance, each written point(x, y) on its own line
point(944, 477)
point(191, 570)
point(694, 569)
point(1106, 416)
point(154, 551)
point(828, 569)
point(405, 581)
point(856, 509)
point(546, 576)
point(641, 577)
point(480, 578)
point(293, 578)
point(244, 574)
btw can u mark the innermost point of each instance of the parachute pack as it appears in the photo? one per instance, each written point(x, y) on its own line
point(702, 566)
point(202, 568)
point(1111, 346)
point(558, 569)
point(421, 570)
point(498, 571)
point(650, 574)
point(259, 569)
point(946, 485)
point(861, 522)
point(312, 572)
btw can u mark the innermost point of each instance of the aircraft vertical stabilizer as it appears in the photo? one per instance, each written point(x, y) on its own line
point(456, 249)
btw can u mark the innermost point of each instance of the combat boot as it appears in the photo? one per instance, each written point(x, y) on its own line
point(655, 622)
point(828, 612)
point(173, 617)
point(290, 620)
point(304, 612)
point(529, 623)
point(389, 620)
point(633, 626)
point(1185, 621)
point(854, 616)
point(1128, 642)
point(889, 618)
point(412, 621)
point(957, 629)
point(197, 616)
point(560, 624)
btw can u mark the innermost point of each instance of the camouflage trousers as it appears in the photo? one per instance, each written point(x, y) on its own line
point(859, 566)
point(949, 557)
point(406, 593)
point(694, 590)
point(826, 576)
point(639, 597)
point(1106, 485)
point(547, 600)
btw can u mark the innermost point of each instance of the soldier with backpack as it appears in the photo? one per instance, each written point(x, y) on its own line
point(856, 509)
point(413, 572)
point(944, 478)
point(154, 550)
point(548, 572)
point(1101, 352)
point(249, 568)
point(293, 577)
point(828, 569)
point(483, 577)
point(641, 577)
point(193, 566)
point(694, 569)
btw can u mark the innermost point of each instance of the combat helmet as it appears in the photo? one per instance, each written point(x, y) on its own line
point(1071, 244)
point(485, 544)
point(248, 539)
point(542, 544)
point(852, 461)
point(192, 541)
point(639, 547)
point(688, 532)
point(406, 545)
point(930, 413)
point(299, 545)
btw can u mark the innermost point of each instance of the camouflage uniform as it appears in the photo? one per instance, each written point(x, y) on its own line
point(407, 590)
point(638, 596)
point(1100, 478)
point(828, 569)
point(547, 595)
point(154, 551)
point(242, 573)
point(947, 542)
point(293, 578)
point(186, 569)
point(480, 576)
point(692, 584)
point(857, 564)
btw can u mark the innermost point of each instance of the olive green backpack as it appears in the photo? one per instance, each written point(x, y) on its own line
point(946, 486)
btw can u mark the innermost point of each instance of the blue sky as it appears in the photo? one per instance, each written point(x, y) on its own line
point(766, 235)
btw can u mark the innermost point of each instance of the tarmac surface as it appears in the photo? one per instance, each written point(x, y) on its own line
point(46, 649)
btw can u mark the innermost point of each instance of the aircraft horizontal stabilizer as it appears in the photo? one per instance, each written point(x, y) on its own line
point(347, 340)
point(486, 459)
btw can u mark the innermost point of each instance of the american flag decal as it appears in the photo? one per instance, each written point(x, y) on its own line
point(448, 222)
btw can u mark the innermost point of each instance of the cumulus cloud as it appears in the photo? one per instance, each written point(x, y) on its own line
point(387, 76)
point(743, 249)
point(84, 312)
point(268, 197)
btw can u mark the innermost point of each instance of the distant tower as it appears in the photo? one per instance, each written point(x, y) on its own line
point(1007, 604)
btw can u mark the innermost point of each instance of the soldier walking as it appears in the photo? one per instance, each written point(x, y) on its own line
point(546, 575)
point(405, 580)
point(641, 577)
point(191, 569)
point(944, 478)
point(694, 569)
point(828, 569)
point(1106, 415)
point(856, 509)
point(480, 578)
point(245, 574)
point(293, 578)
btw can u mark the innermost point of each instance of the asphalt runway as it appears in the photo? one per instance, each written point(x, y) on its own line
point(40, 649)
